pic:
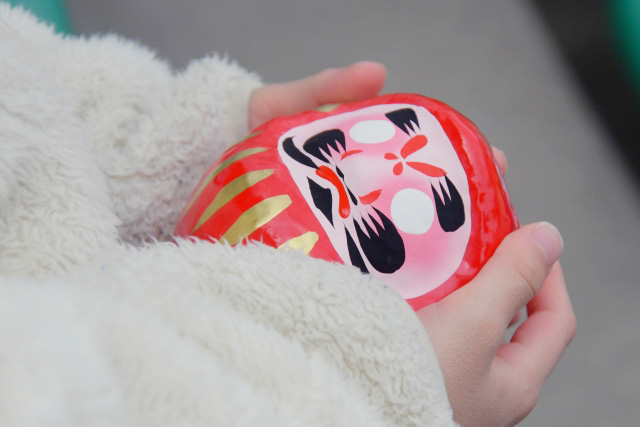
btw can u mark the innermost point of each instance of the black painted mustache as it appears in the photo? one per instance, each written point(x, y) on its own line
point(384, 247)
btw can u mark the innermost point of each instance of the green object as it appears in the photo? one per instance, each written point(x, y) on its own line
point(52, 11)
point(625, 16)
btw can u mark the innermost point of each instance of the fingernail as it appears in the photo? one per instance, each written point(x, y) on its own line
point(548, 238)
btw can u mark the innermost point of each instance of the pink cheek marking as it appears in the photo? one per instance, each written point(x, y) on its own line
point(343, 200)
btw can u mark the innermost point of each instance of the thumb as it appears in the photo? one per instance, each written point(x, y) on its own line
point(515, 273)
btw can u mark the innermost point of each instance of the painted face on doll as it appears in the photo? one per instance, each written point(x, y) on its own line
point(401, 186)
point(387, 187)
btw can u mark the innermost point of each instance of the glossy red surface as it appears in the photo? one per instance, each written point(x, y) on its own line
point(252, 172)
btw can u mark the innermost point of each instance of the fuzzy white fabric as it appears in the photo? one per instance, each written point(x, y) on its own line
point(105, 320)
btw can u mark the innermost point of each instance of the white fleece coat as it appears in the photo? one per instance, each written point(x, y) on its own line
point(106, 320)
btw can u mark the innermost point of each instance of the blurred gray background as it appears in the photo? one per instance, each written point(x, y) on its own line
point(496, 62)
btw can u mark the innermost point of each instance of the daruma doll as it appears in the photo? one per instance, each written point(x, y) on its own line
point(400, 186)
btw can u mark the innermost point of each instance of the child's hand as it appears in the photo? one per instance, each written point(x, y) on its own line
point(490, 382)
point(358, 82)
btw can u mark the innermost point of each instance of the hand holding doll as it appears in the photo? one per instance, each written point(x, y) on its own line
point(489, 382)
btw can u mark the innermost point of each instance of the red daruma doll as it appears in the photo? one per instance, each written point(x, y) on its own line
point(400, 186)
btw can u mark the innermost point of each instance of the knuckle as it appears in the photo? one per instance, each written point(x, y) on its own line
point(517, 397)
point(482, 323)
point(527, 403)
point(491, 326)
point(525, 397)
point(531, 272)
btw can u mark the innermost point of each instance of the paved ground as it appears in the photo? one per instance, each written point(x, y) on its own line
point(495, 62)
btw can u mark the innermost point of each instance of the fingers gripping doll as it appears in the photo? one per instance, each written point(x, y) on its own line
point(400, 186)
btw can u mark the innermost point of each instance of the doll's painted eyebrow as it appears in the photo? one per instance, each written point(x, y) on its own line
point(405, 118)
point(289, 147)
point(318, 145)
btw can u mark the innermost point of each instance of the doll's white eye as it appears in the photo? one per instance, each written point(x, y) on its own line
point(372, 131)
point(412, 211)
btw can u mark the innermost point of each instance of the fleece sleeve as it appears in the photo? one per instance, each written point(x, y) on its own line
point(195, 331)
point(100, 142)
point(55, 210)
point(361, 327)
point(85, 351)
point(153, 131)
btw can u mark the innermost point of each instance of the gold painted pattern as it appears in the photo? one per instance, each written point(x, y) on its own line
point(251, 135)
point(222, 166)
point(255, 217)
point(327, 108)
point(304, 242)
point(230, 191)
